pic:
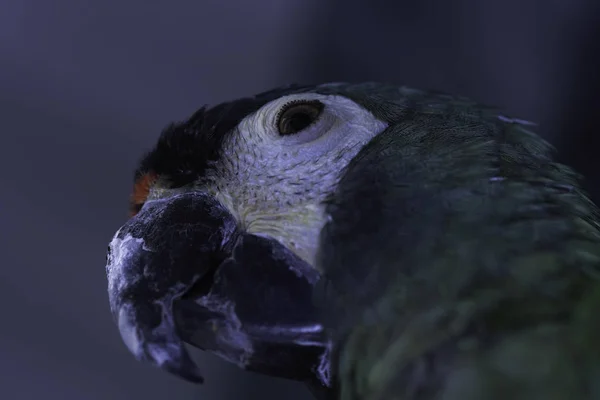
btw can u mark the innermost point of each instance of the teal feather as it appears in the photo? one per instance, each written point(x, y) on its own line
point(461, 262)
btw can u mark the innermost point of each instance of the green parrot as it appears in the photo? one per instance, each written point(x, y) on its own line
point(375, 241)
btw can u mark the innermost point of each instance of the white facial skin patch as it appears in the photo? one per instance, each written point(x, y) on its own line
point(275, 185)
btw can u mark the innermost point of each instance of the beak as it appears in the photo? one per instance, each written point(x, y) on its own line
point(154, 259)
point(181, 271)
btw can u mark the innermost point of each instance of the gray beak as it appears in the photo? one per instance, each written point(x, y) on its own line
point(181, 271)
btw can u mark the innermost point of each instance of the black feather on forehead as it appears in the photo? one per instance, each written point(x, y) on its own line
point(185, 149)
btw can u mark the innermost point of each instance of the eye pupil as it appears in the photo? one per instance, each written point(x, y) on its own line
point(298, 116)
point(299, 121)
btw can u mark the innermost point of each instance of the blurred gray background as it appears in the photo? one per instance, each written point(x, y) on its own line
point(86, 87)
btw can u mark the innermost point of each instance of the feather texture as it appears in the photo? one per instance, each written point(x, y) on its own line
point(461, 261)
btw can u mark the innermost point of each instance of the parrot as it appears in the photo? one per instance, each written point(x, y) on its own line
point(375, 241)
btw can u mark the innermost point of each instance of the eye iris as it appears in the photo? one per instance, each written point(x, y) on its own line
point(297, 117)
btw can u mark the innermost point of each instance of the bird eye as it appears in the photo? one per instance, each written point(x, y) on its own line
point(297, 116)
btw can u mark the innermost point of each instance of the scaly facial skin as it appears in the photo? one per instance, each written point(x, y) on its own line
point(275, 185)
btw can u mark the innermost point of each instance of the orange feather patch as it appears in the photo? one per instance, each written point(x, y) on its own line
point(141, 189)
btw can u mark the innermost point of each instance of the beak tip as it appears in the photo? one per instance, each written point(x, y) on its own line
point(186, 370)
point(175, 359)
point(161, 348)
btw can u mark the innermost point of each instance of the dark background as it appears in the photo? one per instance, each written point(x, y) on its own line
point(86, 87)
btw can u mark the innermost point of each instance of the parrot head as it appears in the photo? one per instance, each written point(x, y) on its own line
point(221, 245)
point(235, 212)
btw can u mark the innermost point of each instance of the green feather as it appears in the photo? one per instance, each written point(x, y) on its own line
point(461, 261)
